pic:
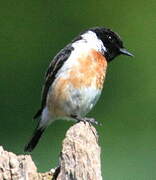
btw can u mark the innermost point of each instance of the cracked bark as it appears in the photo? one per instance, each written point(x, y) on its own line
point(79, 159)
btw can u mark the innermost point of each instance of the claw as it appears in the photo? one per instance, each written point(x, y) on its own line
point(89, 120)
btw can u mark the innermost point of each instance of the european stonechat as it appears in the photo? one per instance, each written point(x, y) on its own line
point(75, 78)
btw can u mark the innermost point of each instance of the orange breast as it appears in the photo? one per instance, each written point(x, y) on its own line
point(90, 71)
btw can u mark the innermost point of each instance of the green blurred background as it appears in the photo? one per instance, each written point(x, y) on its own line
point(32, 32)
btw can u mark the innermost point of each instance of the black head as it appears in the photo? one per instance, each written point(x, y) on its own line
point(111, 41)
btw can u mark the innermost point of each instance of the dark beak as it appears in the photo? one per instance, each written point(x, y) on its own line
point(125, 52)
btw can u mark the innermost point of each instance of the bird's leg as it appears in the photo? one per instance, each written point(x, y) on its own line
point(85, 119)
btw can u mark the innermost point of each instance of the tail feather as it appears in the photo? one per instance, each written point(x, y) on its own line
point(34, 140)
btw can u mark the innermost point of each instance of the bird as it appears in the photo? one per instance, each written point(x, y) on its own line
point(75, 78)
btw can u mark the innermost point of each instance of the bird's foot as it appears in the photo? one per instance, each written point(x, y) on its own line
point(90, 120)
point(86, 119)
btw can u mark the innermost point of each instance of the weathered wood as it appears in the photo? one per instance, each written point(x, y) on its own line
point(79, 159)
point(13, 167)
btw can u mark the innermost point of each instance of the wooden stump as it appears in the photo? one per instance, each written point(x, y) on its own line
point(79, 159)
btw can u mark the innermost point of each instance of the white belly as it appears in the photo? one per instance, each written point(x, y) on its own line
point(80, 101)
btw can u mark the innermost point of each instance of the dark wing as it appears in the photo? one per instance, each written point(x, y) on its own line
point(54, 67)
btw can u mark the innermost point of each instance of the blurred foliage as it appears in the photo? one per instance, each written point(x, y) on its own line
point(32, 32)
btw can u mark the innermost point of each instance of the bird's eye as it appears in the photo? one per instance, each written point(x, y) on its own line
point(109, 37)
